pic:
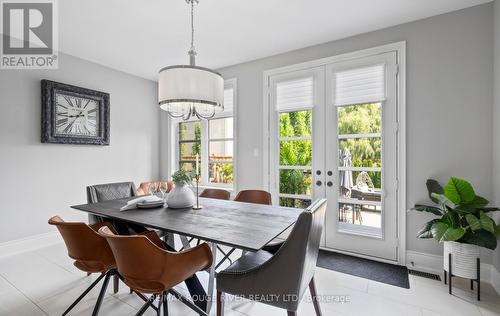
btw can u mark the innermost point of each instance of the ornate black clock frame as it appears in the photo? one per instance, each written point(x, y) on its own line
point(49, 90)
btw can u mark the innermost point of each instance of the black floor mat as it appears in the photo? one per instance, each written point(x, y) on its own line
point(365, 268)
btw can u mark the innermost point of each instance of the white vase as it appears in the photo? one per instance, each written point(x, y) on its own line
point(181, 196)
point(463, 259)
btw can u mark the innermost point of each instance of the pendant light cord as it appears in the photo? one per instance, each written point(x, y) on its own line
point(192, 25)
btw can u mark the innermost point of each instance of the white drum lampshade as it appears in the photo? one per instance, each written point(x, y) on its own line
point(186, 90)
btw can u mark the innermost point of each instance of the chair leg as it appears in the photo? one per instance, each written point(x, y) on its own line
point(292, 313)
point(83, 294)
point(314, 296)
point(115, 283)
point(165, 304)
point(220, 304)
point(102, 293)
point(146, 306)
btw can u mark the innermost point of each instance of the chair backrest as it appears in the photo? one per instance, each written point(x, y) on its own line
point(83, 243)
point(144, 186)
point(254, 196)
point(216, 194)
point(145, 265)
point(110, 191)
point(299, 253)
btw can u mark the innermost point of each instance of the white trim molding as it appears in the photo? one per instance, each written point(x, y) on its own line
point(31, 243)
point(431, 263)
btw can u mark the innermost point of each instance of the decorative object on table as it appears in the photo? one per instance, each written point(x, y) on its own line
point(188, 90)
point(145, 201)
point(74, 115)
point(181, 195)
point(463, 225)
point(197, 177)
point(164, 189)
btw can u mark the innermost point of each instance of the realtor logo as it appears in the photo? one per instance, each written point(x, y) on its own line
point(29, 34)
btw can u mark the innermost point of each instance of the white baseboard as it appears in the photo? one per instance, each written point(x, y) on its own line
point(30, 243)
point(495, 279)
point(434, 264)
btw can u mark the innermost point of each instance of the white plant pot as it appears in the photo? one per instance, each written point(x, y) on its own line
point(463, 259)
point(181, 196)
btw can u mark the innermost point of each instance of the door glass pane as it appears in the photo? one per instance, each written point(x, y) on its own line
point(293, 202)
point(296, 124)
point(360, 119)
point(360, 161)
point(295, 184)
point(360, 214)
point(295, 181)
point(296, 153)
point(364, 152)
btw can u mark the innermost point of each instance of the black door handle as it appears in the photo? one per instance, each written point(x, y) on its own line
point(329, 173)
point(329, 183)
point(318, 183)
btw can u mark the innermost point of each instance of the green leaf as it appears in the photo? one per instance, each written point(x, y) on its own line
point(443, 200)
point(481, 237)
point(459, 191)
point(487, 223)
point(443, 232)
point(473, 221)
point(431, 209)
point(434, 187)
point(478, 203)
point(425, 232)
point(490, 209)
point(497, 230)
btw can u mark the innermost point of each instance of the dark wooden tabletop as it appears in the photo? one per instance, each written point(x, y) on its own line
point(242, 225)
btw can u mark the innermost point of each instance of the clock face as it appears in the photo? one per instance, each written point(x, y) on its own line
point(76, 116)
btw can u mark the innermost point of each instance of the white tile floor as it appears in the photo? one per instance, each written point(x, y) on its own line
point(44, 282)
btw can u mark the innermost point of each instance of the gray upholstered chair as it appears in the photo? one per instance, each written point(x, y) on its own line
point(109, 191)
point(291, 268)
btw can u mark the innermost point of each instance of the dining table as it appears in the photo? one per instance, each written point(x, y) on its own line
point(240, 225)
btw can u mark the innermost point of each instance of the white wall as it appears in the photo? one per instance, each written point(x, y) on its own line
point(40, 180)
point(449, 104)
point(496, 120)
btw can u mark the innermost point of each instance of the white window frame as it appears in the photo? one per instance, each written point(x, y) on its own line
point(269, 151)
point(173, 143)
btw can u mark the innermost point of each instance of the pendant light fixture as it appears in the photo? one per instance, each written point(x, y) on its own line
point(187, 91)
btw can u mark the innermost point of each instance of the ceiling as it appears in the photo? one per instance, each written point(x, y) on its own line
point(140, 37)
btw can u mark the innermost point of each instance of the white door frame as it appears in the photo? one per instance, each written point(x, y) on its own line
point(400, 49)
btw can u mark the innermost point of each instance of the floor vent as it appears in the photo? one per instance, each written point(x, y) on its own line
point(424, 275)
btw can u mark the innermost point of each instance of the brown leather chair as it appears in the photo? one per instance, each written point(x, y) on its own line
point(91, 253)
point(216, 194)
point(254, 196)
point(143, 188)
point(146, 265)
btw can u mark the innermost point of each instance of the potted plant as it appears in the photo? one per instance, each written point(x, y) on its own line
point(463, 224)
point(181, 195)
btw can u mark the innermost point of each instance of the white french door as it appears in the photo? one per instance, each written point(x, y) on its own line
point(333, 135)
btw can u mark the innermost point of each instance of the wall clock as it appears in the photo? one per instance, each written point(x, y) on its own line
point(74, 115)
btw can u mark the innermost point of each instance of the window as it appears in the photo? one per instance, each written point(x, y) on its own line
point(220, 144)
point(213, 140)
point(189, 144)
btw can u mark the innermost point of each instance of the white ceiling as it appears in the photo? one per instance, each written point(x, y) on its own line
point(141, 36)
